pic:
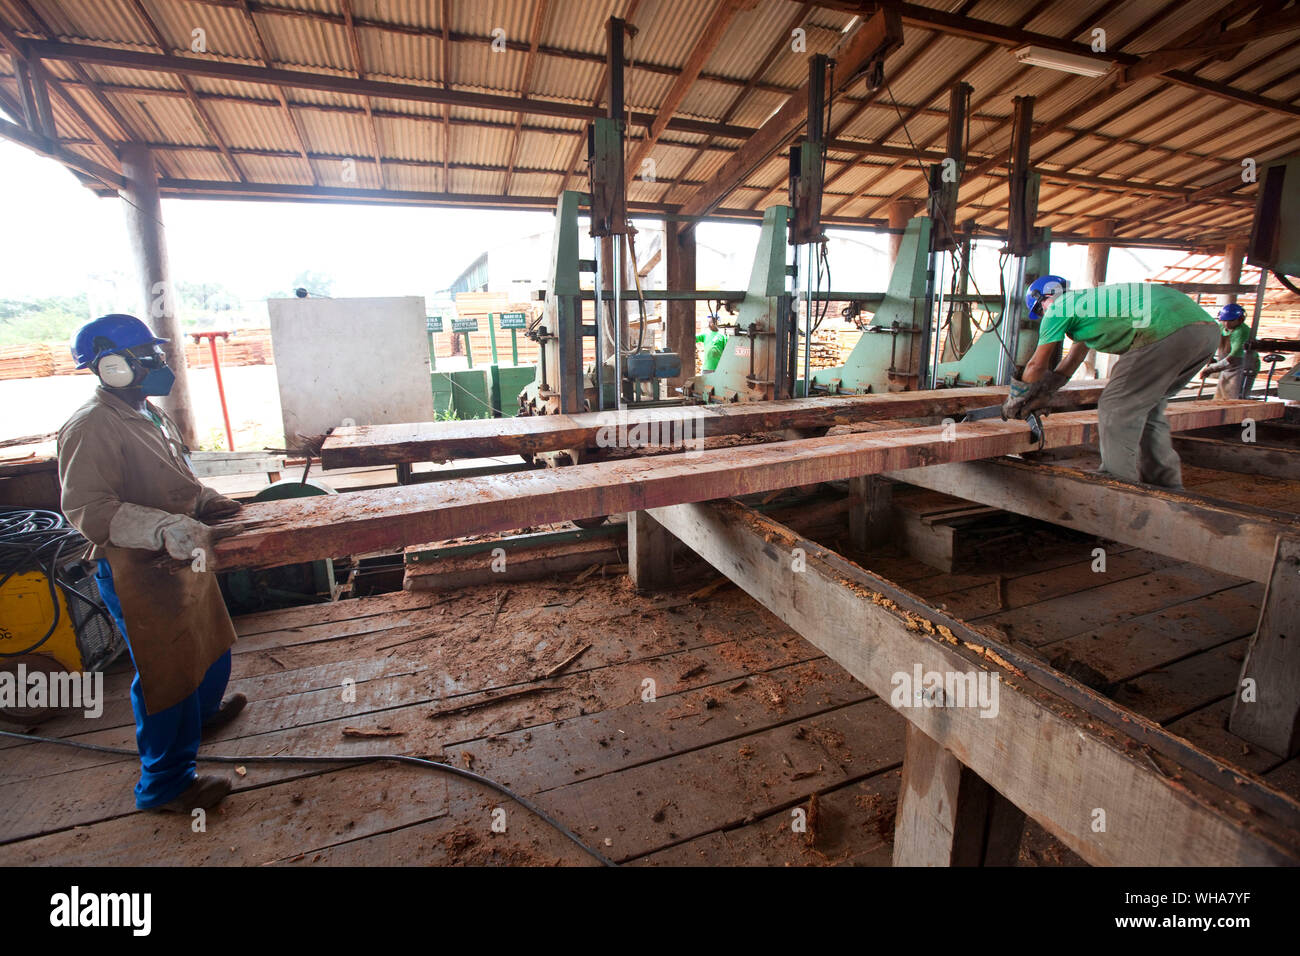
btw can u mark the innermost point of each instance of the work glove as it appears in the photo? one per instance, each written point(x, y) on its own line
point(212, 505)
point(1048, 386)
point(1020, 393)
point(135, 526)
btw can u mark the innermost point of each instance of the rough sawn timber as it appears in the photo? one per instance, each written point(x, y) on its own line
point(358, 445)
point(270, 534)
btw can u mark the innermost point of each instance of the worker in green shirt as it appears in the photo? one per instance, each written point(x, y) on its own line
point(716, 341)
point(1163, 338)
point(1231, 364)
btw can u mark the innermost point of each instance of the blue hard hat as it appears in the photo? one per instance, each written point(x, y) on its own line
point(1231, 313)
point(1039, 289)
point(109, 334)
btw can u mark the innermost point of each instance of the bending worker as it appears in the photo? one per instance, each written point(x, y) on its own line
point(715, 341)
point(1231, 356)
point(1163, 338)
point(128, 487)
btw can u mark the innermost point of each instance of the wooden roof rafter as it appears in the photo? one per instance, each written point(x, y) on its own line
point(534, 38)
point(281, 98)
point(1007, 84)
point(372, 129)
point(138, 7)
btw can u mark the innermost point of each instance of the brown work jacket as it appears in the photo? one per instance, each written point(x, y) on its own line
point(177, 623)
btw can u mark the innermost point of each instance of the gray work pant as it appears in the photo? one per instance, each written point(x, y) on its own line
point(1135, 443)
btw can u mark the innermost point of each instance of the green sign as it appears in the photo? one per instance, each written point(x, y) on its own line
point(433, 323)
point(513, 320)
point(464, 325)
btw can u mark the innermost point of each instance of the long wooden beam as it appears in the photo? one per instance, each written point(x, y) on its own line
point(1236, 539)
point(708, 41)
point(1055, 749)
point(48, 147)
point(270, 534)
point(474, 438)
point(874, 40)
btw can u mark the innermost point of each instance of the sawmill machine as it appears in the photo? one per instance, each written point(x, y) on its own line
point(902, 347)
point(1275, 248)
point(632, 375)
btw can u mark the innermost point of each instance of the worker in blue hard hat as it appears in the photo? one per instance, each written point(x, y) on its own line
point(128, 487)
point(1231, 363)
point(1162, 337)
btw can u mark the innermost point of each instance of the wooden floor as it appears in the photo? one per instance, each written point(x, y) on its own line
point(746, 724)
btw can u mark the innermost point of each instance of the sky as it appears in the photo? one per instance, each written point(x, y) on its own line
point(69, 237)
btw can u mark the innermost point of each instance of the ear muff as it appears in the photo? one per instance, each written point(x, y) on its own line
point(115, 371)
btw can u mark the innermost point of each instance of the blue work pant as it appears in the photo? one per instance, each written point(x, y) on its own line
point(168, 741)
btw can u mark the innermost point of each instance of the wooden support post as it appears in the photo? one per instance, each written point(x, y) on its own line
point(649, 552)
point(149, 245)
point(947, 815)
point(1266, 711)
point(1098, 259)
point(871, 516)
point(679, 245)
point(900, 212)
point(1231, 271)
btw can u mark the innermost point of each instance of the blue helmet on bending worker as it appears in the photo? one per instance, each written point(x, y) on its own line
point(1040, 292)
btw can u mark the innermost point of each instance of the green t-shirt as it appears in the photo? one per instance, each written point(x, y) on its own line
point(1118, 317)
point(717, 341)
point(1237, 340)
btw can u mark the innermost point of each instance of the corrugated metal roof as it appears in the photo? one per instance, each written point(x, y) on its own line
point(1153, 132)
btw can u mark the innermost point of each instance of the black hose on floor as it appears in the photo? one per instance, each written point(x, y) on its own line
point(358, 758)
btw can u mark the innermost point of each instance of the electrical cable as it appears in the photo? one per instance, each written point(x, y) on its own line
point(32, 540)
point(352, 758)
point(1291, 286)
point(920, 163)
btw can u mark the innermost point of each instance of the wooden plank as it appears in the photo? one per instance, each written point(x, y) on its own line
point(1057, 765)
point(1236, 539)
point(1270, 715)
point(444, 441)
point(270, 534)
point(947, 815)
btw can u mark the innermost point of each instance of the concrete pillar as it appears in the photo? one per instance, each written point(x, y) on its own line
point(1231, 272)
point(1098, 260)
point(899, 211)
point(149, 245)
point(679, 253)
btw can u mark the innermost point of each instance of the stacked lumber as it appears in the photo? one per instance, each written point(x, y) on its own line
point(245, 347)
point(26, 361)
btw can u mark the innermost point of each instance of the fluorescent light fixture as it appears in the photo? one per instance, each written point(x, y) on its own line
point(1060, 60)
point(850, 25)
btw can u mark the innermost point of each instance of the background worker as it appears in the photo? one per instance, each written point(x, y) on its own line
point(1162, 337)
point(128, 487)
point(1231, 356)
point(715, 340)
